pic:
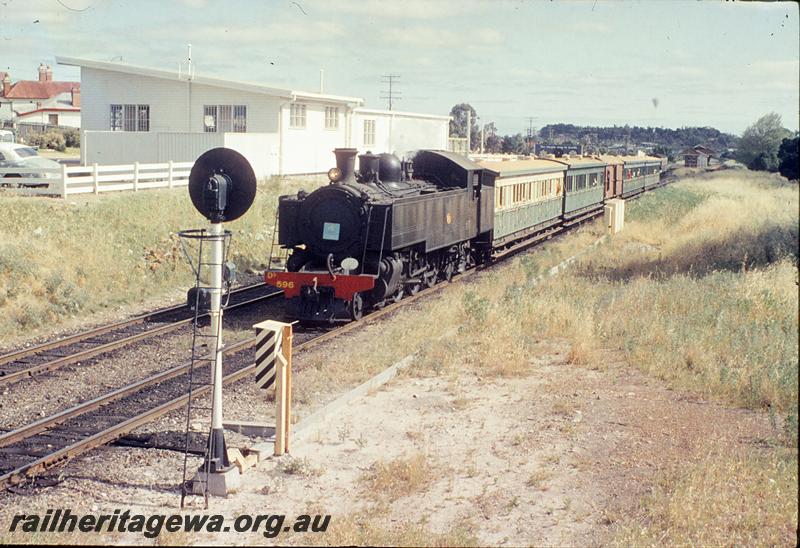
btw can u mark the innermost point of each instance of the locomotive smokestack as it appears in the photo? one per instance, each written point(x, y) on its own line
point(346, 162)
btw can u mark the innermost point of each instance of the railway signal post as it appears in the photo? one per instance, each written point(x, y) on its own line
point(222, 186)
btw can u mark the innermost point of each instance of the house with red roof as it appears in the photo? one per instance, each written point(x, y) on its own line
point(42, 101)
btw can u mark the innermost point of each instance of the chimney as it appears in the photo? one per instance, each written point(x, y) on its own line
point(76, 97)
point(6, 84)
point(42, 72)
point(48, 75)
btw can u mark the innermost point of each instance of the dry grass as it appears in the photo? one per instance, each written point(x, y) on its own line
point(64, 260)
point(725, 499)
point(391, 480)
point(366, 530)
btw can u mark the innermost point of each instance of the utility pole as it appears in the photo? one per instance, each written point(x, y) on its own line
point(529, 140)
point(483, 127)
point(391, 94)
point(469, 131)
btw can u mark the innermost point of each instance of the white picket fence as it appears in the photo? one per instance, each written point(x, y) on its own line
point(68, 180)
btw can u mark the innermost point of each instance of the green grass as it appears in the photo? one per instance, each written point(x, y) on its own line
point(62, 261)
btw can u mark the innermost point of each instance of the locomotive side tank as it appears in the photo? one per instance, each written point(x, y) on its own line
point(375, 234)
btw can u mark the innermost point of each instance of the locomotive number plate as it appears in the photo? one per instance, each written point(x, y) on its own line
point(330, 231)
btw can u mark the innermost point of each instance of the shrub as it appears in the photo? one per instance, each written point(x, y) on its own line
point(51, 139)
point(72, 138)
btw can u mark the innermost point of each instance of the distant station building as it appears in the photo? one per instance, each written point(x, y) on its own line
point(142, 114)
point(698, 156)
point(43, 101)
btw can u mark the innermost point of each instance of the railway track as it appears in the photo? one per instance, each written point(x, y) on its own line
point(37, 447)
point(49, 356)
point(33, 449)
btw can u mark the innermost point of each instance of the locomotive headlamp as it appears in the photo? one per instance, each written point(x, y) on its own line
point(335, 174)
point(349, 264)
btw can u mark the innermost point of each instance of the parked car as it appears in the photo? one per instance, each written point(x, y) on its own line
point(6, 136)
point(13, 155)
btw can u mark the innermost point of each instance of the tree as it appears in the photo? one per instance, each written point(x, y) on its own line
point(765, 161)
point(763, 137)
point(513, 144)
point(789, 163)
point(491, 143)
point(458, 125)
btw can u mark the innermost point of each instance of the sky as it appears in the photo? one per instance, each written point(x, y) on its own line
point(594, 62)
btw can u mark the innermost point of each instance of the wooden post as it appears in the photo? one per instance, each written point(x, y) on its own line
point(94, 179)
point(287, 352)
point(169, 175)
point(63, 189)
point(280, 408)
point(135, 176)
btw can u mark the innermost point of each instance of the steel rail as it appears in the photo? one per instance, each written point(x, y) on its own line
point(9, 377)
point(102, 330)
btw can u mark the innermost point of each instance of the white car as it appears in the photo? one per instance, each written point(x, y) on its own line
point(13, 155)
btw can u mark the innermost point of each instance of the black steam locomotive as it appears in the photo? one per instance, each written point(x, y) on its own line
point(386, 230)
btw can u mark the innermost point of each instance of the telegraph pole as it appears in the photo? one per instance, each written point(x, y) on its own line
point(391, 94)
point(469, 131)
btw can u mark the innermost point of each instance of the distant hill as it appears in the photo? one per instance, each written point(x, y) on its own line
point(652, 139)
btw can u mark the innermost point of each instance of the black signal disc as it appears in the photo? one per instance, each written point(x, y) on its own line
point(228, 162)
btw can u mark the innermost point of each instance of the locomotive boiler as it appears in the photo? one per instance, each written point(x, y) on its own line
point(378, 233)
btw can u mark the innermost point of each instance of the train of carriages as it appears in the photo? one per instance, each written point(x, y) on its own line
point(392, 227)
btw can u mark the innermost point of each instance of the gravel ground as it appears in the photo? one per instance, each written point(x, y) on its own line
point(31, 399)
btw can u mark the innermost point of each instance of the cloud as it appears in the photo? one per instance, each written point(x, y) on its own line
point(590, 26)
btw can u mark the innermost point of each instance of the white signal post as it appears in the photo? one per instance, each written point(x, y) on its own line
point(217, 253)
point(222, 187)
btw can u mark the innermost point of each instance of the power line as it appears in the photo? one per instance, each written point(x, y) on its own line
point(391, 94)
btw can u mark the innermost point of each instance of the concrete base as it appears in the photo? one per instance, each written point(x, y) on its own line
point(219, 483)
point(250, 429)
point(263, 450)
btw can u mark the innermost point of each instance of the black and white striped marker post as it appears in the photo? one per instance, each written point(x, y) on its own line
point(274, 366)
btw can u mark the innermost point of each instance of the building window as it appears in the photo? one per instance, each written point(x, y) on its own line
point(240, 119)
point(130, 118)
point(369, 132)
point(143, 118)
point(116, 117)
point(331, 118)
point(210, 118)
point(297, 116)
point(224, 118)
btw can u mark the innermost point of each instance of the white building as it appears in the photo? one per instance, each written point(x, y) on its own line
point(42, 101)
point(142, 114)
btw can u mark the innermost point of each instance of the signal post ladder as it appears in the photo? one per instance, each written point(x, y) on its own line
point(274, 365)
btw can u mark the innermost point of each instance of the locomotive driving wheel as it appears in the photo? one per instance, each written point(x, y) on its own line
point(429, 276)
point(447, 271)
point(397, 297)
point(357, 307)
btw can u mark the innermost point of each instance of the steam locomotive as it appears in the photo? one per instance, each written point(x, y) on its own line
point(376, 234)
